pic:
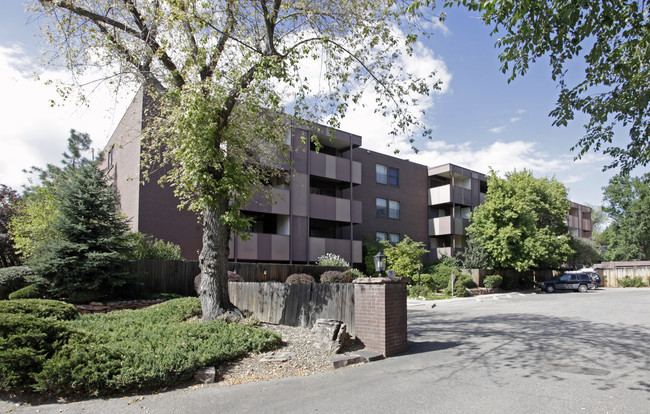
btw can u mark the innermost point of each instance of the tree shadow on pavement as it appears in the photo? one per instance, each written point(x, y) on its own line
point(608, 356)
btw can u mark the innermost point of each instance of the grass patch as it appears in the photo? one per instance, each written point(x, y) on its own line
point(131, 350)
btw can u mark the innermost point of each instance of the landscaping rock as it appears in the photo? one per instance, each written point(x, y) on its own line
point(332, 335)
point(278, 357)
point(205, 375)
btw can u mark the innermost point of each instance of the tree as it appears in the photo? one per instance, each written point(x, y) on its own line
point(473, 256)
point(404, 257)
point(613, 36)
point(144, 247)
point(9, 200)
point(521, 223)
point(85, 259)
point(31, 227)
point(585, 252)
point(627, 202)
point(220, 73)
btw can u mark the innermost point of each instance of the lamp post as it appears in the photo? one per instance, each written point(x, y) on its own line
point(419, 267)
point(380, 262)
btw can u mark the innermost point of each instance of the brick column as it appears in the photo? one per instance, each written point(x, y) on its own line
point(380, 313)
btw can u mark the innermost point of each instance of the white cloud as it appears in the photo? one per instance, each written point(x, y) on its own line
point(35, 133)
point(375, 128)
point(514, 119)
point(497, 130)
point(500, 156)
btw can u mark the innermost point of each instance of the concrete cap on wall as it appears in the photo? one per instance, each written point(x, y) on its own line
point(381, 280)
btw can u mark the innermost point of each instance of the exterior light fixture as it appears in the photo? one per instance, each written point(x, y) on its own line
point(380, 262)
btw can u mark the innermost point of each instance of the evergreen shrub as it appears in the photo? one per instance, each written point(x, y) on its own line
point(333, 276)
point(40, 308)
point(14, 278)
point(28, 292)
point(122, 351)
point(492, 281)
point(353, 273)
point(300, 278)
point(628, 281)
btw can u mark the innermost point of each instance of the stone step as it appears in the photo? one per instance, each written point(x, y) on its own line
point(359, 358)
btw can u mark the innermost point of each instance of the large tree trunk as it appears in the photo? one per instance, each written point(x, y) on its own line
point(213, 262)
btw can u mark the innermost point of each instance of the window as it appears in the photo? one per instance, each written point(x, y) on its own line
point(393, 209)
point(381, 236)
point(109, 157)
point(382, 174)
point(382, 208)
point(393, 176)
point(393, 237)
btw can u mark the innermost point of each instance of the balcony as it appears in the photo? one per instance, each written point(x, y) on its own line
point(334, 168)
point(573, 222)
point(333, 208)
point(260, 247)
point(586, 225)
point(279, 204)
point(441, 226)
point(320, 246)
point(446, 194)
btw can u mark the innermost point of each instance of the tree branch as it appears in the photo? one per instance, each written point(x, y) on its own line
point(143, 68)
point(208, 71)
point(92, 15)
point(148, 37)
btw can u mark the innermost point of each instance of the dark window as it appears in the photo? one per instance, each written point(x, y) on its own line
point(393, 176)
point(382, 207)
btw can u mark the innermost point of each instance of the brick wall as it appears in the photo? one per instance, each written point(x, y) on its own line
point(380, 314)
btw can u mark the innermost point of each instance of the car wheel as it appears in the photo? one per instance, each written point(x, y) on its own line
point(582, 288)
point(550, 288)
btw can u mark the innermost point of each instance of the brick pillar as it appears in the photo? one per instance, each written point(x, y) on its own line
point(380, 313)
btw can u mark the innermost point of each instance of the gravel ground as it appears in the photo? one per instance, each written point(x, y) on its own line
point(298, 357)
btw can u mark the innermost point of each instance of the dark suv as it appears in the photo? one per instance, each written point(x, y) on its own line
point(580, 282)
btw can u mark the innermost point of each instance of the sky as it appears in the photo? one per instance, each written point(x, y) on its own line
point(479, 120)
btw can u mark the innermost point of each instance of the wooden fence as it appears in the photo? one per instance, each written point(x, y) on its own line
point(171, 276)
point(295, 304)
point(610, 276)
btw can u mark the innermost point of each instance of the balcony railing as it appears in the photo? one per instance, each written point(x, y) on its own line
point(441, 226)
point(446, 194)
point(333, 208)
point(320, 246)
point(334, 168)
point(261, 247)
point(279, 203)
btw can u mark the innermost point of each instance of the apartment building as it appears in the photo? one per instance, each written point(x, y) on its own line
point(453, 193)
point(579, 221)
point(393, 196)
point(314, 213)
point(333, 199)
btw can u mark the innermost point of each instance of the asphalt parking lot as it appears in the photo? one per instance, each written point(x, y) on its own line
point(524, 353)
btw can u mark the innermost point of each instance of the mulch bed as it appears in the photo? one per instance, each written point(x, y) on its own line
point(99, 307)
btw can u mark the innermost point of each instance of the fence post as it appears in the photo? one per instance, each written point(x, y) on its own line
point(380, 313)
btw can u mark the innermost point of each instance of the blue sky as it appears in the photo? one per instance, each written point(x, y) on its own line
point(479, 120)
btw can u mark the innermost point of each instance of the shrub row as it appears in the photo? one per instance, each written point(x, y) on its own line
point(48, 351)
point(330, 276)
point(628, 281)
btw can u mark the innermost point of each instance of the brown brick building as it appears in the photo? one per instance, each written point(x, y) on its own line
point(334, 199)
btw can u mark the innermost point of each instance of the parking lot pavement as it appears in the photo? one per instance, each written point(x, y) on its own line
point(543, 353)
